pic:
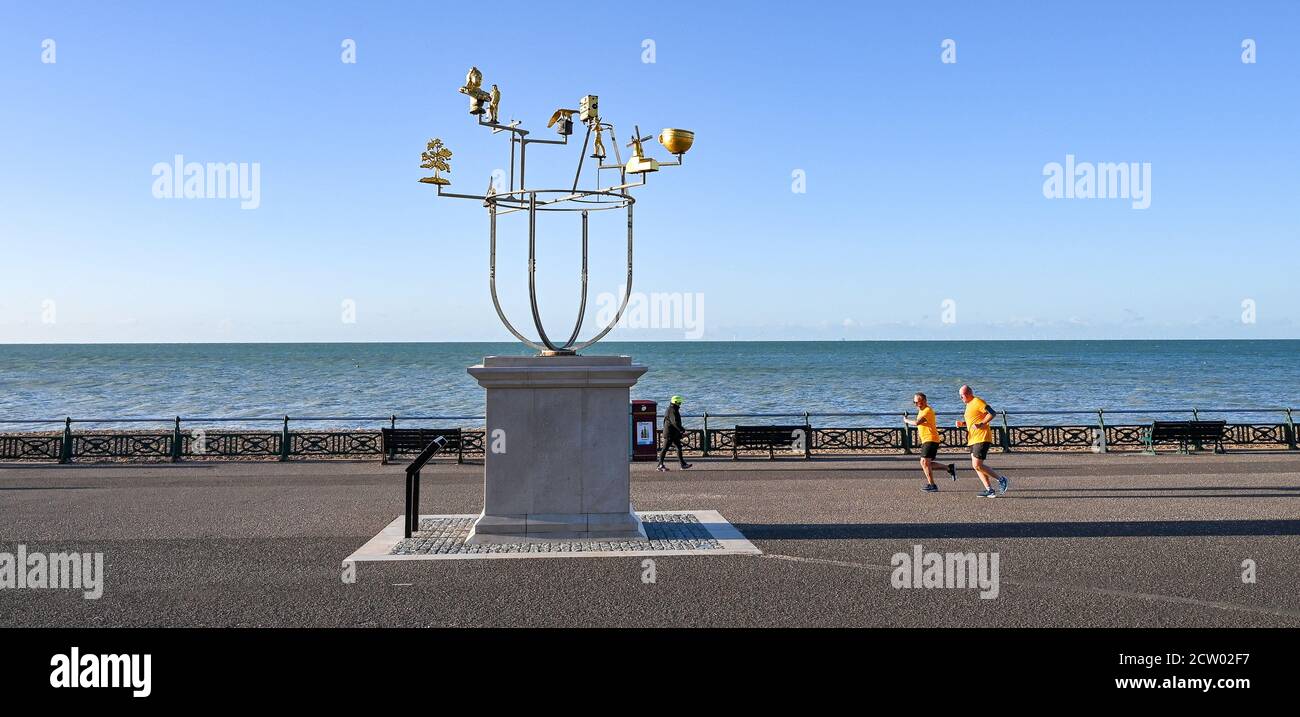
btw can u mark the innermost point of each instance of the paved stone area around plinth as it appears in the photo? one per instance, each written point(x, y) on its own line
point(667, 533)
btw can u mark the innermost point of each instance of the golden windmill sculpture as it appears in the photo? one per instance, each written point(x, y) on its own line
point(639, 163)
point(586, 194)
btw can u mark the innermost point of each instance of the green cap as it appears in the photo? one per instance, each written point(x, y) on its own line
point(677, 399)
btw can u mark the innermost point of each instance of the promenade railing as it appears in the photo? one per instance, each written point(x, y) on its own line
point(304, 437)
point(1100, 430)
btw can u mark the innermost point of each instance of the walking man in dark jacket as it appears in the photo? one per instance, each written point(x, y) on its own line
point(673, 432)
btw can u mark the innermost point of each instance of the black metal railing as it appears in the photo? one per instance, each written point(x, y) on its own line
point(236, 438)
point(413, 483)
point(1097, 434)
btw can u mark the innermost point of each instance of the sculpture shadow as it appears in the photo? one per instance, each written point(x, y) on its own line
point(107, 465)
point(1163, 492)
point(57, 487)
point(934, 531)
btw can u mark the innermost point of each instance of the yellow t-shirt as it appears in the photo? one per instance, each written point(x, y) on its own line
point(974, 410)
point(925, 426)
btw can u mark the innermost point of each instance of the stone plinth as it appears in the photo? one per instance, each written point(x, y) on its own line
point(563, 423)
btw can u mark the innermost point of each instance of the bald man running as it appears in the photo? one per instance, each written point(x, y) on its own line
point(979, 436)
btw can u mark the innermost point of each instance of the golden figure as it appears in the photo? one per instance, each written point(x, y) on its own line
point(494, 104)
point(436, 157)
point(473, 79)
point(474, 88)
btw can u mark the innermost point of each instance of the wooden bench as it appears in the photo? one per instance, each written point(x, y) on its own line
point(771, 438)
point(1186, 433)
point(406, 441)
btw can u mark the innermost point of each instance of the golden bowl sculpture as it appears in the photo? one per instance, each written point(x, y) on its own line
point(676, 141)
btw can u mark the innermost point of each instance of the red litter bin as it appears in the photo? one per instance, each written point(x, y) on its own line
point(645, 441)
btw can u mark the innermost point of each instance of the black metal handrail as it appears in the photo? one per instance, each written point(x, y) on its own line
point(413, 483)
point(217, 437)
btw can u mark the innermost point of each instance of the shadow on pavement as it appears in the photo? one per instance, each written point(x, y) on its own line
point(929, 531)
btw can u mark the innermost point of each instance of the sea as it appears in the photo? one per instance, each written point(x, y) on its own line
point(351, 383)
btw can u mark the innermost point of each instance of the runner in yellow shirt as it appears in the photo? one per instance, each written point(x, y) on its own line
point(979, 436)
point(928, 431)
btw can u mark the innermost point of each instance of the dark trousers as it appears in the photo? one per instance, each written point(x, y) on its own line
point(671, 440)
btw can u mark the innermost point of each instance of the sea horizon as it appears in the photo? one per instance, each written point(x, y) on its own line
point(647, 341)
point(1028, 379)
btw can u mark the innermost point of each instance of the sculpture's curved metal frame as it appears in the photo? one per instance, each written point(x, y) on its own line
point(517, 200)
point(573, 199)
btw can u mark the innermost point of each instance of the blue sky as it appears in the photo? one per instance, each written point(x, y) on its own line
point(924, 179)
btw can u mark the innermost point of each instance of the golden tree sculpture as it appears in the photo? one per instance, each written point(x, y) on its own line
point(436, 157)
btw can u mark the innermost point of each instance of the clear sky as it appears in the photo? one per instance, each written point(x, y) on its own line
point(924, 179)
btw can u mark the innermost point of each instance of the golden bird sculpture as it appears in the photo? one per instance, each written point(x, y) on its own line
point(561, 114)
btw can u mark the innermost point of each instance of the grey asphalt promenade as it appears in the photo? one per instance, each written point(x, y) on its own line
point(1083, 540)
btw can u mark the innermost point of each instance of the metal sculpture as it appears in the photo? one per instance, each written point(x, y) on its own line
point(505, 200)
